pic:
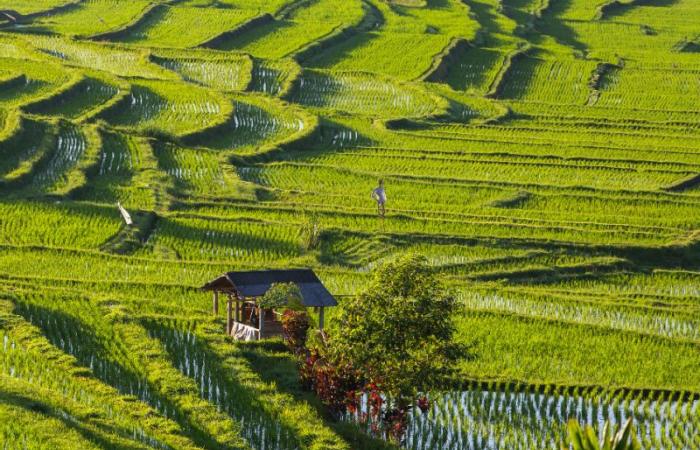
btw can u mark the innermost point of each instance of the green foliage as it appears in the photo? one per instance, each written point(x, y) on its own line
point(282, 296)
point(212, 70)
point(307, 23)
point(362, 94)
point(399, 330)
point(540, 349)
point(586, 438)
point(38, 376)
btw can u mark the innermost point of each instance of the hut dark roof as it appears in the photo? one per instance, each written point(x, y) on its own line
point(256, 283)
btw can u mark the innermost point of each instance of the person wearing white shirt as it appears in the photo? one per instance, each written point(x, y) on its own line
point(379, 195)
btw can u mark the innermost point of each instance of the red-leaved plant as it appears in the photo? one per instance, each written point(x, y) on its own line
point(395, 421)
point(307, 364)
point(336, 386)
point(295, 325)
point(341, 388)
point(423, 404)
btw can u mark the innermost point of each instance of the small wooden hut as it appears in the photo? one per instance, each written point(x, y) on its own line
point(245, 319)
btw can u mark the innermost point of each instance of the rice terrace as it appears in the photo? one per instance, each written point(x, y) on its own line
point(349, 224)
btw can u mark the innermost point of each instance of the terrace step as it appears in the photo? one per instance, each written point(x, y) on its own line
point(168, 109)
point(75, 100)
point(24, 151)
point(148, 15)
point(371, 19)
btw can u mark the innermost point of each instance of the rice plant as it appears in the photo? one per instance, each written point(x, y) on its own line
point(93, 17)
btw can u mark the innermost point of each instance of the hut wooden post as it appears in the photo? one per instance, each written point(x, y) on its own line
point(238, 311)
point(216, 303)
point(229, 318)
point(261, 321)
point(321, 317)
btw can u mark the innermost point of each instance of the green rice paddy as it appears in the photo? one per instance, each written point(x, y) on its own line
point(543, 155)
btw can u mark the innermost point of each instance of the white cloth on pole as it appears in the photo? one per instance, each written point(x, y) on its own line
point(125, 214)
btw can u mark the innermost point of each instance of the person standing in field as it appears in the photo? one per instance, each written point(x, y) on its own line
point(379, 194)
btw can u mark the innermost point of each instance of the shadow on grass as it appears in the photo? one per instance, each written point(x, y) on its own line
point(551, 23)
point(79, 339)
point(218, 384)
point(615, 10)
point(46, 410)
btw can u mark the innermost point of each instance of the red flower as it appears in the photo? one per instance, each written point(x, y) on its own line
point(423, 404)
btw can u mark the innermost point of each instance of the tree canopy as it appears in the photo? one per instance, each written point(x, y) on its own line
point(399, 331)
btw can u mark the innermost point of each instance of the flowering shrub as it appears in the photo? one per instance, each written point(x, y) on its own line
point(423, 404)
point(336, 386)
point(395, 421)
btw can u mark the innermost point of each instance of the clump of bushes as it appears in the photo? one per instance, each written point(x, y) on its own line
point(393, 343)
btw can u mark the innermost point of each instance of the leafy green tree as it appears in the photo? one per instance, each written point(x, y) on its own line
point(587, 439)
point(398, 332)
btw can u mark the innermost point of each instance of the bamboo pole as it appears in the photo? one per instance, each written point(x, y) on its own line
point(229, 318)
